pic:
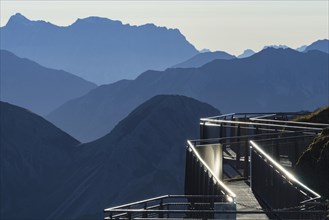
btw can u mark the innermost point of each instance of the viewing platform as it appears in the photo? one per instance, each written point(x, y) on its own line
point(240, 168)
point(245, 200)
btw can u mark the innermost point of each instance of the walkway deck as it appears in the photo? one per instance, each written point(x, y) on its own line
point(245, 200)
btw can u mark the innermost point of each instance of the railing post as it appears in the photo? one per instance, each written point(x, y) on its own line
point(194, 187)
point(145, 208)
point(188, 170)
point(250, 167)
point(201, 130)
point(221, 131)
point(238, 155)
point(168, 210)
point(246, 159)
point(160, 214)
point(295, 154)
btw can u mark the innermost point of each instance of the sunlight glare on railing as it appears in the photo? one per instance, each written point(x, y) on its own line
point(281, 169)
point(230, 194)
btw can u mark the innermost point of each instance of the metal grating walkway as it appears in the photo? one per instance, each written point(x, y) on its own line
point(245, 200)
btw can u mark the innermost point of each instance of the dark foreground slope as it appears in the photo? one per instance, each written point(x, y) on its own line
point(313, 165)
point(97, 49)
point(40, 89)
point(50, 175)
point(271, 80)
point(35, 158)
point(143, 156)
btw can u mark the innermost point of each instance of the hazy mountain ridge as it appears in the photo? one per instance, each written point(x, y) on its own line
point(203, 58)
point(98, 49)
point(246, 53)
point(271, 80)
point(321, 45)
point(146, 147)
point(40, 89)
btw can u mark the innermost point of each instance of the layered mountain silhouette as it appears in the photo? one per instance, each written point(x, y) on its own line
point(321, 45)
point(142, 157)
point(203, 58)
point(35, 160)
point(301, 48)
point(271, 80)
point(40, 89)
point(97, 49)
point(246, 53)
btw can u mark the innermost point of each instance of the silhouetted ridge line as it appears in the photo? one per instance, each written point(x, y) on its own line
point(98, 49)
point(271, 80)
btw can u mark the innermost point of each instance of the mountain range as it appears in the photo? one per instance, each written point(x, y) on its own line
point(97, 49)
point(50, 175)
point(321, 45)
point(208, 56)
point(271, 80)
point(40, 89)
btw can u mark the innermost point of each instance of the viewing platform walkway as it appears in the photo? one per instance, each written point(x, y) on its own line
point(240, 168)
point(245, 200)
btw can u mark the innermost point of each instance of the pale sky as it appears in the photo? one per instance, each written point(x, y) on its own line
point(230, 26)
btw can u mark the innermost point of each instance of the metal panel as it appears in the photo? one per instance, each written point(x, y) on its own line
point(212, 154)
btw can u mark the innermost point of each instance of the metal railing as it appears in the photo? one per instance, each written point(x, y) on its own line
point(175, 206)
point(181, 207)
point(204, 180)
point(269, 174)
point(277, 187)
point(261, 148)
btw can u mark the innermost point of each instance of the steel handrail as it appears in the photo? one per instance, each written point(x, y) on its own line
point(136, 203)
point(261, 140)
point(259, 113)
point(225, 189)
point(159, 198)
point(259, 124)
point(250, 136)
point(283, 171)
point(289, 122)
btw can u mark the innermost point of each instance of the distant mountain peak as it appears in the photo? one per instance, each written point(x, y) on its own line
point(98, 49)
point(277, 50)
point(276, 46)
point(321, 45)
point(18, 18)
point(96, 20)
point(246, 53)
point(173, 108)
